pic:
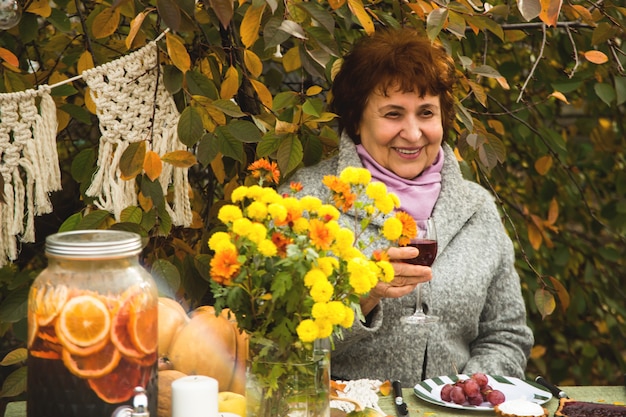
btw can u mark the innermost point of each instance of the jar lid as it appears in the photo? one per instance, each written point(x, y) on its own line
point(93, 243)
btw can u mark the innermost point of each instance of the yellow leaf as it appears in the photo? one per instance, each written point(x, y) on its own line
point(553, 212)
point(285, 127)
point(85, 62)
point(561, 292)
point(263, 92)
point(40, 7)
point(106, 23)
point(63, 119)
point(335, 4)
point(479, 92)
point(89, 103)
point(251, 25)
point(537, 351)
point(217, 165)
point(230, 85)
point(9, 57)
point(543, 164)
point(177, 52)
point(135, 25)
point(215, 116)
point(497, 126)
point(291, 59)
point(385, 388)
point(550, 10)
point(559, 96)
point(503, 83)
point(357, 8)
point(418, 10)
point(144, 202)
point(534, 236)
point(253, 63)
point(313, 90)
point(196, 221)
point(180, 159)
point(152, 165)
point(596, 57)
point(545, 302)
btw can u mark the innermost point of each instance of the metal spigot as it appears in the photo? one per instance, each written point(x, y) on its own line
point(139, 408)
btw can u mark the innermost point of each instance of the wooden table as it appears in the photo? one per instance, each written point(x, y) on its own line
point(420, 408)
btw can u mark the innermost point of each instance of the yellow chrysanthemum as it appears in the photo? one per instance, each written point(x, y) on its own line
point(256, 192)
point(310, 203)
point(387, 270)
point(267, 248)
point(242, 226)
point(348, 318)
point(328, 212)
point(353, 175)
point(392, 228)
point(324, 328)
point(257, 211)
point(220, 241)
point(322, 291)
point(336, 312)
point(360, 275)
point(385, 204)
point(239, 194)
point(395, 199)
point(301, 225)
point(344, 240)
point(229, 213)
point(314, 276)
point(277, 211)
point(328, 264)
point(320, 311)
point(307, 331)
point(257, 232)
point(376, 190)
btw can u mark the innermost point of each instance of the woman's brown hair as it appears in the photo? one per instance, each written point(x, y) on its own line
point(392, 58)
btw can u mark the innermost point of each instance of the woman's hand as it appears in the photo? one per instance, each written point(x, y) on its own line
point(406, 277)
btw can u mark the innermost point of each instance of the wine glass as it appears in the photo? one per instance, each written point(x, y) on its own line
point(426, 242)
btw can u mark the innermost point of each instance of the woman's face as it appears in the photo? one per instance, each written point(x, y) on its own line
point(402, 131)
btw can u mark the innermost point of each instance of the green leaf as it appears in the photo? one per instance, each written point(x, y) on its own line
point(203, 265)
point(190, 128)
point(15, 383)
point(71, 223)
point(83, 165)
point(486, 71)
point(60, 20)
point(605, 92)
point(153, 190)
point(132, 214)
point(284, 100)
point(435, 21)
point(313, 107)
point(166, 276)
point(268, 144)
point(28, 28)
point(207, 149)
point(312, 149)
point(319, 14)
point(272, 36)
point(245, 131)
point(15, 357)
point(131, 161)
point(65, 90)
point(198, 84)
point(229, 145)
point(15, 306)
point(93, 220)
point(464, 115)
point(289, 154)
point(172, 79)
point(77, 112)
point(620, 90)
point(170, 13)
point(486, 23)
point(228, 107)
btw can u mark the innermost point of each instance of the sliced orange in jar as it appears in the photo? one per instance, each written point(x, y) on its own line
point(142, 326)
point(48, 300)
point(118, 386)
point(119, 331)
point(84, 321)
point(97, 365)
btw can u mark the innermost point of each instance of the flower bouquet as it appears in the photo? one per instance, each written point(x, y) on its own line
point(292, 275)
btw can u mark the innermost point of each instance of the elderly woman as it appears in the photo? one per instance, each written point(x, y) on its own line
point(393, 96)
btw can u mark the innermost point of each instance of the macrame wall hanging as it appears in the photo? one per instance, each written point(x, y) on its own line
point(29, 165)
point(133, 105)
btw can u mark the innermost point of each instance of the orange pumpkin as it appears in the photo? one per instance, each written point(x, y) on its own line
point(213, 346)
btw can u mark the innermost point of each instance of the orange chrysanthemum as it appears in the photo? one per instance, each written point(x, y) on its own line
point(224, 266)
point(280, 241)
point(262, 168)
point(295, 186)
point(409, 228)
point(320, 235)
point(380, 255)
point(343, 198)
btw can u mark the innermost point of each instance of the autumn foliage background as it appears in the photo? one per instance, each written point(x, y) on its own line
point(540, 122)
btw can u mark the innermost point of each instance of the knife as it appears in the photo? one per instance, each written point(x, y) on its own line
point(401, 408)
point(556, 391)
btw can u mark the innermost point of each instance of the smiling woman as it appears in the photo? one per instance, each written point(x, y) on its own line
point(393, 96)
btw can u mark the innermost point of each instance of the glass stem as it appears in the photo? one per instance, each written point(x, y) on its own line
point(419, 311)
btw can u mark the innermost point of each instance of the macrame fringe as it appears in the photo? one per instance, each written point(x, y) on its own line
point(133, 105)
point(30, 165)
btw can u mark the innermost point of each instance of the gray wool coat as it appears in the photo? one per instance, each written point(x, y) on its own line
point(475, 291)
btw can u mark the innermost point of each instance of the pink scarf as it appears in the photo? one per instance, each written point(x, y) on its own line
point(418, 195)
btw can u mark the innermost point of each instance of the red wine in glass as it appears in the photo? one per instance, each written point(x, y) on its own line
point(426, 243)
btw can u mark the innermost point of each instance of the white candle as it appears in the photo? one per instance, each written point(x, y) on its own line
point(194, 396)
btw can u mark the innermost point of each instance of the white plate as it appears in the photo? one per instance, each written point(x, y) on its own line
point(512, 388)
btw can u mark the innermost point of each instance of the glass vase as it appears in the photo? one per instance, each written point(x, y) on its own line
point(297, 387)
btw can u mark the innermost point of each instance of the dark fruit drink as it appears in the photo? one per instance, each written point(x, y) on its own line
point(428, 252)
